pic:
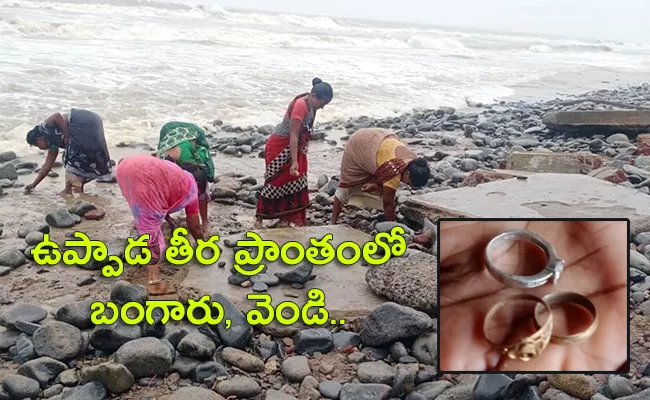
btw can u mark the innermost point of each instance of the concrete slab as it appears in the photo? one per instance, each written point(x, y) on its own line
point(539, 196)
point(557, 163)
point(599, 122)
point(346, 293)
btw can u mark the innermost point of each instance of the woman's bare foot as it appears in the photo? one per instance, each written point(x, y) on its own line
point(158, 288)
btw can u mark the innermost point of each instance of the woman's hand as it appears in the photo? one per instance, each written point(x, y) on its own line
point(294, 171)
point(30, 187)
point(370, 187)
point(596, 267)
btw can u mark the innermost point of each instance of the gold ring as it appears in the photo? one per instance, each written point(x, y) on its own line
point(531, 346)
point(575, 298)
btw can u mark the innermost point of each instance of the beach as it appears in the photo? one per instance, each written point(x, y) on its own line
point(458, 145)
point(464, 100)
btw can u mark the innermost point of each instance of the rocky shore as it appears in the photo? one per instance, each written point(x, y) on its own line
point(50, 348)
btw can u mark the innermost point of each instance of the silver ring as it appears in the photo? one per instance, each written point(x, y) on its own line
point(553, 268)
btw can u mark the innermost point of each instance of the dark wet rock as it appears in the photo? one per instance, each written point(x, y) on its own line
point(33, 227)
point(86, 281)
point(58, 340)
point(22, 312)
point(8, 171)
point(241, 332)
point(197, 345)
point(300, 274)
point(8, 338)
point(124, 292)
point(81, 207)
point(344, 339)
point(519, 390)
point(109, 338)
point(145, 357)
point(21, 387)
point(34, 238)
point(361, 391)
point(43, 369)
point(207, 370)
point(60, 218)
point(295, 368)
point(157, 329)
point(89, 391)
point(7, 156)
point(310, 341)
point(24, 349)
point(425, 348)
point(240, 387)
point(77, 313)
point(115, 377)
point(260, 287)
point(268, 349)
point(391, 322)
point(489, 387)
point(184, 365)
point(12, 258)
point(176, 334)
point(376, 372)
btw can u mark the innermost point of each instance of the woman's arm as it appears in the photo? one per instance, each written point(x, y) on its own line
point(295, 126)
point(388, 199)
point(203, 211)
point(194, 226)
point(59, 121)
point(45, 169)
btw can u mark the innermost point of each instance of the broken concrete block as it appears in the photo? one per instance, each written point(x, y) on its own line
point(609, 174)
point(588, 123)
point(557, 163)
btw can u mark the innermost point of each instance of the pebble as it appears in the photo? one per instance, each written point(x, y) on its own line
point(109, 338)
point(310, 341)
point(12, 258)
point(21, 387)
point(640, 262)
point(425, 348)
point(194, 393)
point(295, 368)
point(358, 391)
point(376, 372)
point(197, 345)
point(22, 312)
point(58, 340)
point(300, 274)
point(277, 395)
point(240, 387)
point(124, 292)
point(344, 339)
point(330, 389)
point(242, 360)
point(60, 218)
point(115, 377)
point(489, 387)
point(34, 238)
point(8, 338)
point(43, 369)
point(89, 391)
point(391, 322)
point(145, 357)
point(240, 333)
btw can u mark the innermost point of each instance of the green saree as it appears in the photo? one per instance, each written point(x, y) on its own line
point(181, 134)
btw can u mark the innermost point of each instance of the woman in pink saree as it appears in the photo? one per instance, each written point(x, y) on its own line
point(155, 188)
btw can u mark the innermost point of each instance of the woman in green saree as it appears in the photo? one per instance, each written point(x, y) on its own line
point(185, 142)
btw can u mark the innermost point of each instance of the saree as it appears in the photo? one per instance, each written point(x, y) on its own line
point(284, 196)
point(154, 188)
point(86, 155)
point(181, 134)
point(359, 161)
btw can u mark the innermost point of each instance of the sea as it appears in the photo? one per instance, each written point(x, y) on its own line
point(141, 63)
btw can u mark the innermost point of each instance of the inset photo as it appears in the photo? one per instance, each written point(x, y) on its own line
point(538, 295)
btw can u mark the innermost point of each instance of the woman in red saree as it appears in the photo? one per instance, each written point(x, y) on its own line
point(285, 195)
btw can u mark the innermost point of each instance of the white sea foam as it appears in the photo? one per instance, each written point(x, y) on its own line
point(140, 63)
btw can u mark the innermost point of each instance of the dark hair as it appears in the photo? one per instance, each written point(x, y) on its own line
point(33, 135)
point(322, 90)
point(419, 171)
point(198, 173)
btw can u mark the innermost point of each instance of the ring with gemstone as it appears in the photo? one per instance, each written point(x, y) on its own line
point(553, 269)
point(529, 347)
